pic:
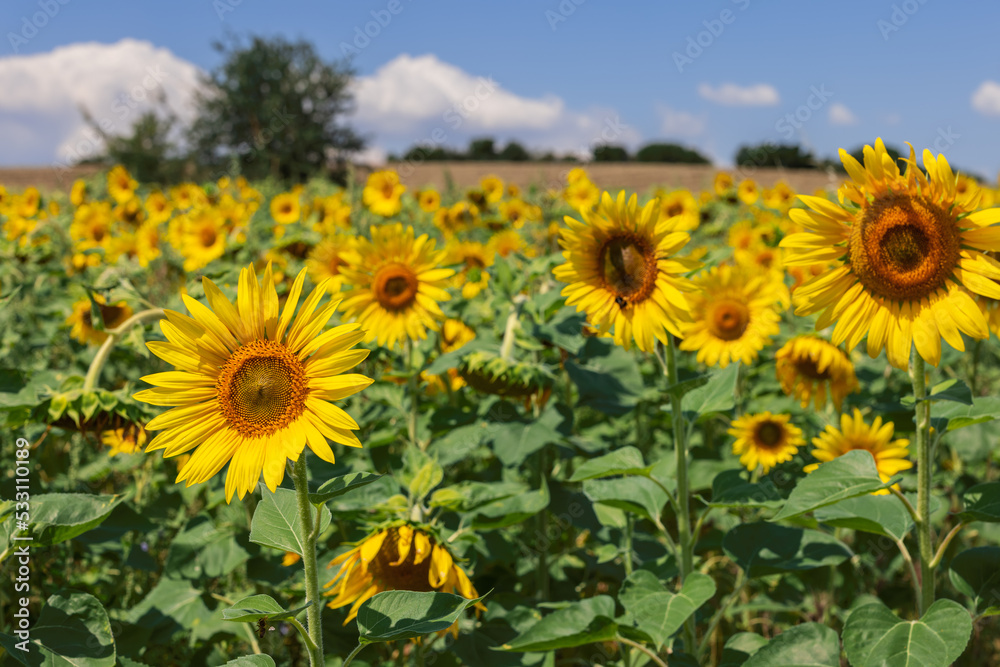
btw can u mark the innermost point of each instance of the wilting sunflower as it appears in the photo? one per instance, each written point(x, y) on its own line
point(890, 455)
point(83, 330)
point(382, 193)
point(252, 387)
point(621, 271)
point(908, 253)
point(396, 285)
point(808, 368)
point(127, 440)
point(398, 558)
point(734, 315)
point(765, 440)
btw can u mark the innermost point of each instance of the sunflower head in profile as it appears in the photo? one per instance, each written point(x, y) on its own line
point(253, 386)
point(126, 440)
point(908, 255)
point(765, 440)
point(734, 315)
point(809, 368)
point(82, 323)
point(890, 455)
point(396, 284)
point(621, 271)
point(400, 557)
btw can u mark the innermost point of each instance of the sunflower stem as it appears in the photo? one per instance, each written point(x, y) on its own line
point(924, 478)
point(101, 358)
point(411, 422)
point(684, 543)
point(350, 657)
point(315, 611)
point(627, 547)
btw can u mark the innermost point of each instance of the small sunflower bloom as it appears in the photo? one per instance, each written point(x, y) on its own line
point(383, 192)
point(809, 369)
point(764, 440)
point(890, 455)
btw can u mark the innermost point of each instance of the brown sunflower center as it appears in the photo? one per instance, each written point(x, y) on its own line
point(904, 248)
point(806, 367)
point(262, 388)
point(208, 236)
point(406, 576)
point(395, 287)
point(675, 209)
point(112, 315)
point(628, 264)
point(769, 434)
point(729, 320)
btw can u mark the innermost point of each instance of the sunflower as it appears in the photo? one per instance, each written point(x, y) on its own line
point(252, 387)
point(124, 440)
point(396, 285)
point(681, 203)
point(91, 226)
point(382, 193)
point(474, 257)
point(121, 185)
point(908, 255)
point(492, 188)
point(507, 242)
point(397, 558)
point(327, 258)
point(429, 200)
point(723, 184)
point(734, 315)
point(809, 367)
point(890, 455)
point(765, 440)
point(582, 195)
point(516, 212)
point(780, 197)
point(79, 319)
point(621, 271)
point(78, 193)
point(455, 334)
point(158, 207)
point(285, 208)
point(747, 192)
point(201, 238)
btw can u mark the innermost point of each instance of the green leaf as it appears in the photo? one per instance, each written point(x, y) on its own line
point(262, 660)
point(764, 548)
point(202, 550)
point(716, 395)
point(515, 509)
point(514, 441)
point(73, 630)
point(564, 330)
point(576, 624)
point(607, 377)
point(875, 637)
point(982, 503)
point(738, 649)
point(731, 489)
point(847, 476)
point(805, 645)
point(276, 521)
point(983, 409)
point(976, 574)
point(172, 603)
point(256, 607)
point(393, 615)
point(657, 612)
point(338, 486)
point(623, 461)
point(950, 390)
point(639, 495)
point(57, 517)
point(882, 515)
point(420, 473)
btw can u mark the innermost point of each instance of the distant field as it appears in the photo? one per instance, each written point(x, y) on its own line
point(639, 177)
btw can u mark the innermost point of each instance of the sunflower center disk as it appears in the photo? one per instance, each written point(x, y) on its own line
point(208, 237)
point(408, 575)
point(807, 368)
point(904, 248)
point(395, 287)
point(769, 434)
point(729, 320)
point(628, 265)
point(262, 388)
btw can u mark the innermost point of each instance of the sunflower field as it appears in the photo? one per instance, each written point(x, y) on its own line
point(544, 425)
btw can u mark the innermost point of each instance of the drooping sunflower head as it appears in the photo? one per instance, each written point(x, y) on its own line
point(809, 368)
point(253, 385)
point(908, 257)
point(734, 315)
point(765, 440)
point(396, 284)
point(82, 324)
point(127, 440)
point(402, 557)
point(622, 271)
point(890, 455)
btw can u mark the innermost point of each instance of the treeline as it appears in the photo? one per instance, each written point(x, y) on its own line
point(486, 149)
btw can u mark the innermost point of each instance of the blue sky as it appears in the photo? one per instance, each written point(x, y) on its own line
point(907, 71)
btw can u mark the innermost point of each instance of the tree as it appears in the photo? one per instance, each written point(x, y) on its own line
point(670, 153)
point(610, 153)
point(276, 108)
point(514, 152)
point(482, 149)
point(788, 156)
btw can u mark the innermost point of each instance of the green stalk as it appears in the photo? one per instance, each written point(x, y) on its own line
point(412, 384)
point(101, 358)
point(924, 477)
point(685, 547)
point(629, 527)
point(357, 649)
point(315, 611)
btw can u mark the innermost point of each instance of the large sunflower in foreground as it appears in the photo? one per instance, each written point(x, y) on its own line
point(890, 455)
point(809, 368)
point(253, 387)
point(621, 270)
point(765, 440)
point(398, 558)
point(734, 315)
point(908, 256)
point(396, 284)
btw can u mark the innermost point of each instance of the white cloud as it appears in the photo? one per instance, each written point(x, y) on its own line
point(679, 123)
point(732, 95)
point(414, 99)
point(841, 115)
point(986, 99)
point(40, 110)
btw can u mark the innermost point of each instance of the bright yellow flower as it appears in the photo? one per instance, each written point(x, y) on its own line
point(202, 238)
point(124, 440)
point(492, 188)
point(890, 455)
point(748, 191)
point(681, 203)
point(253, 387)
point(474, 259)
point(285, 208)
point(582, 195)
point(723, 184)
point(455, 334)
point(808, 368)
point(158, 207)
point(78, 193)
point(382, 193)
point(121, 185)
point(429, 200)
point(83, 326)
point(765, 440)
